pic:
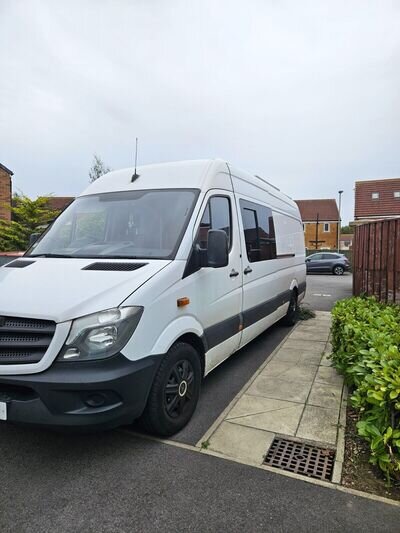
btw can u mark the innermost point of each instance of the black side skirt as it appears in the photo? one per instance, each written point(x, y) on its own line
point(222, 331)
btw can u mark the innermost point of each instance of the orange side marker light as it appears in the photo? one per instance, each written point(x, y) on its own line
point(181, 302)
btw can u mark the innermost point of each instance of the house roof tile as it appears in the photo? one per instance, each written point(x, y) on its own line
point(386, 205)
point(325, 209)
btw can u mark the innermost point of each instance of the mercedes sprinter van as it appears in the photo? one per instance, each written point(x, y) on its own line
point(141, 287)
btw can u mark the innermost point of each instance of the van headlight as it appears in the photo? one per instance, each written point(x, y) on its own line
point(100, 335)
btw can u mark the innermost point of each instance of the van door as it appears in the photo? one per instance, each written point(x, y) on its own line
point(219, 290)
point(265, 287)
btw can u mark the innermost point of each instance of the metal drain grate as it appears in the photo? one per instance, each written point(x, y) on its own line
point(301, 458)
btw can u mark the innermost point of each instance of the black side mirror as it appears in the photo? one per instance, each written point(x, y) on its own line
point(217, 248)
point(33, 238)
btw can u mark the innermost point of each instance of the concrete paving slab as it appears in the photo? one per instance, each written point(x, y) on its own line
point(328, 348)
point(321, 318)
point(323, 314)
point(323, 395)
point(311, 347)
point(267, 414)
point(297, 356)
point(241, 442)
point(319, 424)
point(311, 325)
point(289, 371)
point(328, 375)
point(325, 361)
point(280, 389)
point(309, 336)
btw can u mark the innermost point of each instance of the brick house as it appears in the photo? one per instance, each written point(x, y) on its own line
point(376, 199)
point(346, 241)
point(5, 192)
point(324, 234)
point(59, 203)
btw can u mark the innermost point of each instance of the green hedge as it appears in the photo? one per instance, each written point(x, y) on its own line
point(366, 350)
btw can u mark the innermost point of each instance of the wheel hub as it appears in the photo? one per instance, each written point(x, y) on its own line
point(182, 388)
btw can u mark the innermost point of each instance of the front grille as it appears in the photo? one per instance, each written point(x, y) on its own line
point(24, 340)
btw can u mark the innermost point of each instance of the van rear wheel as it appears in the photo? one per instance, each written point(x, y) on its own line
point(292, 313)
point(175, 391)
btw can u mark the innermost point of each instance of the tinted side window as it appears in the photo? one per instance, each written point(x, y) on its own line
point(259, 231)
point(316, 257)
point(217, 215)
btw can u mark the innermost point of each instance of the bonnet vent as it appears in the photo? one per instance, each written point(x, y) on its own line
point(119, 267)
point(19, 264)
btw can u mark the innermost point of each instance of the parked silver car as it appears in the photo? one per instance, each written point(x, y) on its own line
point(335, 263)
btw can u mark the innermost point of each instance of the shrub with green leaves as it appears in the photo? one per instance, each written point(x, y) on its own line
point(366, 350)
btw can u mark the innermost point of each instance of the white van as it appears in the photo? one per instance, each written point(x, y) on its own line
point(140, 288)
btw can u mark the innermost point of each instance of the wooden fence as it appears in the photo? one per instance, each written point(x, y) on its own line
point(376, 260)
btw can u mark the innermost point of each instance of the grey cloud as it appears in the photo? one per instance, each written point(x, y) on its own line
point(305, 93)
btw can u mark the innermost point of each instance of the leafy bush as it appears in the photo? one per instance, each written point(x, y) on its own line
point(28, 216)
point(366, 350)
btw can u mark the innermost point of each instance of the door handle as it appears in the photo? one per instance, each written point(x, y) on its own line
point(247, 270)
point(233, 273)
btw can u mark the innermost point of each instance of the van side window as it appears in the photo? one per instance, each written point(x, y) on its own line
point(259, 231)
point(217, 215)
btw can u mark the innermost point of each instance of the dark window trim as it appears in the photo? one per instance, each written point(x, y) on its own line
point(222, 331)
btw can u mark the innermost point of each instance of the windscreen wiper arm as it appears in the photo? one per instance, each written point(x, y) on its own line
point(50, 255)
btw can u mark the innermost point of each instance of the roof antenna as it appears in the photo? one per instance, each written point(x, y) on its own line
point(136, 175)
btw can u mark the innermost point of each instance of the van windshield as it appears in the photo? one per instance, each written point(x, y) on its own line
point(133, 224)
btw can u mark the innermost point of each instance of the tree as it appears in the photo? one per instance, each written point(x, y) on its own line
point(346, 230)
point(28, 216)
point(97, 169)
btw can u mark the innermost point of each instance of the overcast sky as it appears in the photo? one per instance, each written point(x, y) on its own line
point(306, 94)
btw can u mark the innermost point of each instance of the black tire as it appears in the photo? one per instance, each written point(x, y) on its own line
point(175, 391)
point(338, 270)
point(292, 314)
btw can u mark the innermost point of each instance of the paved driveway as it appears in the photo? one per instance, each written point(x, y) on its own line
point(323, 290)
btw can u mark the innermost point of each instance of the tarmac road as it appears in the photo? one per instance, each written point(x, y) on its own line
point(323, 290)
point(117, 482)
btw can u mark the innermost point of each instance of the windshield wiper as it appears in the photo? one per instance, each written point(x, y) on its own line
point(50, 255)
point(88, 256)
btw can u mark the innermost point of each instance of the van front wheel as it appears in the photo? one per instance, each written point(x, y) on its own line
point(175, 391)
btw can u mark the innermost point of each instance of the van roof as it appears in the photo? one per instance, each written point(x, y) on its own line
point(173, 175)
point(192, 174)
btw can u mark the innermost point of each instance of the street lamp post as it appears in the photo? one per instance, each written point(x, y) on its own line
point(340, 220)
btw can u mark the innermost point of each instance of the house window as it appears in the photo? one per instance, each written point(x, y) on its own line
point(326, 227)
point(396, 194)
point(375, 195)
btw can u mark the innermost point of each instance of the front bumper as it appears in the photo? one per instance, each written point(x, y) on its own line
point(86, 395)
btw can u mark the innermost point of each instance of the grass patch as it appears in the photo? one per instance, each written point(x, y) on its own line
point(305, 313)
